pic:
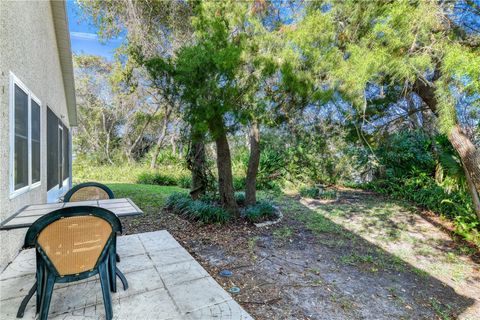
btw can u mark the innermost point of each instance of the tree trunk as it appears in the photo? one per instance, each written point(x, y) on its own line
point(225, 177)
point(253, 163)
point(224, 166)
point(469, 155)
point(196, 161)
point(107, 138)
point(130, 149)
point(173, 144)
point(471, 163)
point(160, 139)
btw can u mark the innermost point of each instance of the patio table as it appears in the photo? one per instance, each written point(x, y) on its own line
point(26, 216)
point(23, 218)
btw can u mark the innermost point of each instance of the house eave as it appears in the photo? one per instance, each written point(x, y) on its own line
point(60, 21)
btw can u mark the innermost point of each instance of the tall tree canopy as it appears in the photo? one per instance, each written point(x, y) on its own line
point(409, 47)
point(317, 70)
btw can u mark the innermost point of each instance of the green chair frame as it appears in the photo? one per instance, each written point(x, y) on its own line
point(70, 192)
point(46, 273)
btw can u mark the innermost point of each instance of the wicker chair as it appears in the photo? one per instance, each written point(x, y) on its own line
point(88, 191)
point(97, 191)
point(72, 244)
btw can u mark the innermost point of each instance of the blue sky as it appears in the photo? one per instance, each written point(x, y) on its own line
point(83, 35)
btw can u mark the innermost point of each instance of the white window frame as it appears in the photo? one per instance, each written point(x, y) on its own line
point(14, 80)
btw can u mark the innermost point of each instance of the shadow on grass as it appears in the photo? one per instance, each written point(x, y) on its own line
point(393, 219)
point(379, 284)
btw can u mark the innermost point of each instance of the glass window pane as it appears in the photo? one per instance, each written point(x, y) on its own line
point(21, 112)
point(21, 163)
point(35, 113)
point(35, 161)
point(21, 139)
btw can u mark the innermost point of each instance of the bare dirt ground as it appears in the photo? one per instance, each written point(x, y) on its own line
point(361, 256)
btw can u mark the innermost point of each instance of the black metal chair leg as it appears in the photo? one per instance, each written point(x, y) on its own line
point(23, 305)
point(112, 275)
point(117, 256)
point(122, 278)
point(105, 283)
point(47, 289)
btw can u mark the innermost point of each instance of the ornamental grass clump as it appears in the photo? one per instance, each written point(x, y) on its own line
point(259, 212)
point(196, 210)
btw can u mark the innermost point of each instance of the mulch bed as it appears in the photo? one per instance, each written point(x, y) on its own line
point(216, 247)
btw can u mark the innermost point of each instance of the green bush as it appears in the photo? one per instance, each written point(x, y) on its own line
point(84, 170)
point(317, 193)
point(214, 198)
point(156, 178)
point(309, 192)
point(259, 212)
point(240, 198)
point(196, 210)
point(184, 181)
point(88, 171)
point(328, 195)
point(406, 152)
point(238, 183)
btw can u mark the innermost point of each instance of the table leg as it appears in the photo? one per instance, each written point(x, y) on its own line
point(122, 278)
point(23, 305)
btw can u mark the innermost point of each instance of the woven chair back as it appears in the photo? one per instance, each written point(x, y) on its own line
point(74, 244)
point(89, 193)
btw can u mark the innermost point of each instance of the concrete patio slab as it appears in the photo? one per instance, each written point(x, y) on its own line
point(165, 283)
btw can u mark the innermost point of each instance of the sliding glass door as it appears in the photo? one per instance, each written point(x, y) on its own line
point(58, 157)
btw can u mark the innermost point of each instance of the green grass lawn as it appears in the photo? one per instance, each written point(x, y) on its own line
point(149, 198)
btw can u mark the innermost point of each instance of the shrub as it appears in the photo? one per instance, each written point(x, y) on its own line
point(269, 184)
point(259, 212)
point(210, 197)
point(156, 178)
point(89, 171)
point(207, 212)
point(328, 195)
point(213, 198)
point(240, 198)
point(318, 193)
point(309, 192)
point(405, 152)
point(238, 183)
point(196, 210)
point(184, 181)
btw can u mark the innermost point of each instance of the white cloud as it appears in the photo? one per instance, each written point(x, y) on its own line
point(84, 36)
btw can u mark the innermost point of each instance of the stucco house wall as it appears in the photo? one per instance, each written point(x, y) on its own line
point(28, 49)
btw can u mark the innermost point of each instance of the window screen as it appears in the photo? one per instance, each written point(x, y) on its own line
point(35, 116)
point(52, 149)
point(21, 139)
point(66, 153)
point(60, 156)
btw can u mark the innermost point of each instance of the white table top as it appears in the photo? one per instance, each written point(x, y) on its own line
point(26, 216)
